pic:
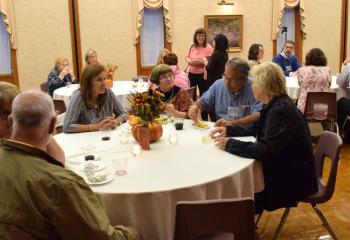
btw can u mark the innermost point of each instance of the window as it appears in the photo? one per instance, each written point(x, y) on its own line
point(288, 23)
point(152, 40)
point(5, 56)
point(152, 36)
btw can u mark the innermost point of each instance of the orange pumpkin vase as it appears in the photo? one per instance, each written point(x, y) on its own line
point(155, 131)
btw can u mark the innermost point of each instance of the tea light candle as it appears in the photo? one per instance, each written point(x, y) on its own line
point(136, 150)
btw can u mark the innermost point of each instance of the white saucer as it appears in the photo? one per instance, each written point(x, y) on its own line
point(98, 166)
point(108, 179)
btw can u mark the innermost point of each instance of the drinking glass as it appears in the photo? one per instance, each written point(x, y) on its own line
point(136, 149)
point(105, 133)
point(120, 166)
point(88, 149)
point(179, 123)
point(173, 138)
point(206, 139)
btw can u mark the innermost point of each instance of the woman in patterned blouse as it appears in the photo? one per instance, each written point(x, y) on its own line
point(178, 100)
point(314, 77)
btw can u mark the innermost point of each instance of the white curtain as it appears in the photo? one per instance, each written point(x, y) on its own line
point(5, 56)
point(278, 7)
point(152, 36)
point(138, 9)
point(288, 20)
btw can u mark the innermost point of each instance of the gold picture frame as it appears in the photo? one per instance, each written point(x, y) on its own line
point(229, 25)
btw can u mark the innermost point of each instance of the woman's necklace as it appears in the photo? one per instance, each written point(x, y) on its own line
point(171, 95)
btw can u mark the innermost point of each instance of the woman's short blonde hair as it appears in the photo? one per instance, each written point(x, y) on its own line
point(270, 79)
point(59, 61)
point(8, 92)
point(88, 53)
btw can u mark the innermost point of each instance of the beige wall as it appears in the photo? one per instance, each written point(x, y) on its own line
point(43, 34)
point(256, 24)
point(43, 31)
point(323, 26)
point(107, 29)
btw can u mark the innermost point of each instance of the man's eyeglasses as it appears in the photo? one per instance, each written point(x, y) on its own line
point(233, 81)
point(168, 76)
point(4, 114)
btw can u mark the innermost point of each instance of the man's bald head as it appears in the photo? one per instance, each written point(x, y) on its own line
point(32, 110)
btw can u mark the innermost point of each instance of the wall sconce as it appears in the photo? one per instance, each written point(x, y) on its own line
point(223, 2)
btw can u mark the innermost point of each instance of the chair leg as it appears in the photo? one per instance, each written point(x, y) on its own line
point(280, 225)
point(324, 221)
point(258, 219)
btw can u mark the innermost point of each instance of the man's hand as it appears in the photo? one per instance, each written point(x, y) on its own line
point(223, 123)
point(194, 112)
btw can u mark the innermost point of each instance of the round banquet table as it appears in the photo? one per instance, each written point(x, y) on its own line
point(121, 89)
point(156, 180)
point(293, 88)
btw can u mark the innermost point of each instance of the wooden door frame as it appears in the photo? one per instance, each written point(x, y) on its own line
point(13, 76)
point(298, 36)
point(343, 32)
point(77, 60)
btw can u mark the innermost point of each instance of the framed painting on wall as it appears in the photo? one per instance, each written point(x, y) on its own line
point(229, 25)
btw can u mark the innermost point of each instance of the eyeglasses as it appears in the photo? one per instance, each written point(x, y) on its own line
point(4, 114)
point(233, 81)
point(168, 76)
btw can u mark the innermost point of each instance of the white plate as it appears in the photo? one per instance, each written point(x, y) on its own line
point(99, 166)
point(109, 178)
point(80, 159)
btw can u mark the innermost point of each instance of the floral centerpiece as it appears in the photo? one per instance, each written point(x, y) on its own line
point(143, 115)
point(110, 70)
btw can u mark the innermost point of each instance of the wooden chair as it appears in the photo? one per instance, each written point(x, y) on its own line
point(44, 87)
point(312, 113)
point(60, 106)
point(215, 219)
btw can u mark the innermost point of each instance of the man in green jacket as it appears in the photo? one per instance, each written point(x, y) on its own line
point(40, 199)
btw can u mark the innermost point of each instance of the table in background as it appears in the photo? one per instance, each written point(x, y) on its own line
point(156, 180)
point(293, 88)
point(121, 89)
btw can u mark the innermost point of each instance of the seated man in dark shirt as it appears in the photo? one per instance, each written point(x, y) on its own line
point(40, 199)
point(286, 59)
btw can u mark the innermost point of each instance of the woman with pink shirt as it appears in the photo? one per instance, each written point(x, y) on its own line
point(314, 76)
point(197, 58)
point(181, 79)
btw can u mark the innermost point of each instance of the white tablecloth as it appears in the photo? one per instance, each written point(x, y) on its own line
point(120, 88)
point(293, 88)
point(156, 180)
